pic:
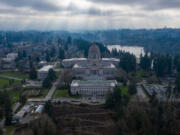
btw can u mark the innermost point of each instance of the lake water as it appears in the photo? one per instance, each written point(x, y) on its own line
point(136, 50)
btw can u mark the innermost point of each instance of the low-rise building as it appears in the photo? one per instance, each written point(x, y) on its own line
point(92, 88)
point(8, 63)
point(12, 56)
point(39, 109)
point(43, 72)
point(19, 115)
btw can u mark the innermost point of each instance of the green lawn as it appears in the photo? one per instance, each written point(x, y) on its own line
point(9, 130)
point(57, 74)
point(64, 93)
point(58, 66)
point(139, 75)
point(16, 74)
point(75, 96)
point(14, 95)
point(5, 81)
point(124, 89)
point(43, 93)
point(60, 93)
point(40, 93)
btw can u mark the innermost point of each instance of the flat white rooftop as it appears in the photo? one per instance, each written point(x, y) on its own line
point(98, 83)
point(75, 59)
point(46, 68)
point(110, 59)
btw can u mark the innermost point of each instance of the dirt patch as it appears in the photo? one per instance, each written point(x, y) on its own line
point(83, 120)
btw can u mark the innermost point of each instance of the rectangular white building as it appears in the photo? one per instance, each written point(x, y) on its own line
point(43, 72)
point(92, 88)
point(12, 56)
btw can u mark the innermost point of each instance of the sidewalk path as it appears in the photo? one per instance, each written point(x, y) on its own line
point(52, 90)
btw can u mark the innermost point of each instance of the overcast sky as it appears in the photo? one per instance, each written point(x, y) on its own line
point(88, 14)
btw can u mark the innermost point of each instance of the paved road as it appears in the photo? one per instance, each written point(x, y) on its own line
point(49, 95)
point(52, 90)
point(30, 82)
point(10, 77)
point(141, 93)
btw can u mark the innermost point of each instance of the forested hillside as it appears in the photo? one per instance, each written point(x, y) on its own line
point(156, 40)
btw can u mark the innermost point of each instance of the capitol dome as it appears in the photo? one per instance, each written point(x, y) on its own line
point(94, 52)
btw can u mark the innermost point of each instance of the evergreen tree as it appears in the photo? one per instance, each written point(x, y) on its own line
point(47, 57)
point(115, 100)
point(37, 59)
point(1, 131)
point(47, 108)
point(43, 126)
point(52, 52)
point(59, 41)
point(33, 73)
point(69, 40)
point(132, 89)
point(51, 75)
point(176, 62)
point(61, 53)
point(169, 91)
point(24, 54)
point(178, 67)
point(177, 86)
point(8, 110)
point(162, 65)
point(145, 62)
point(46, 83)
point(23, 99)
point(128, 62)
point(20, 56)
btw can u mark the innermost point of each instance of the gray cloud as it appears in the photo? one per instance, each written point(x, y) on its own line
point(48, 15)
point(71, 9)
point(145, 4)
point(47, 6)
point(40, 5)
point(92, 12)
point(95, 11)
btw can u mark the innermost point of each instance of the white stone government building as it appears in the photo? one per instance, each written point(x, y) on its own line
point(94, 72)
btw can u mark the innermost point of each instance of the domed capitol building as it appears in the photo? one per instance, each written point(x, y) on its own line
point(94, 71)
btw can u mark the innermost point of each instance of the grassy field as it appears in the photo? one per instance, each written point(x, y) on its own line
point(5, 81)
point(58, 66)
point(14, 96)
point(40, 93)
point(9, 130)
point(124, 89)
point(60, 93)
point(43, 93)
point(16, 74)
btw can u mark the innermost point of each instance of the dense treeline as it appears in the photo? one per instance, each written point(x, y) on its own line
point(161, 64)
point(148, 119)
point(47, 83)
point(145, 62)
point(153, 118)
point(5, 107)
point(156, 40)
